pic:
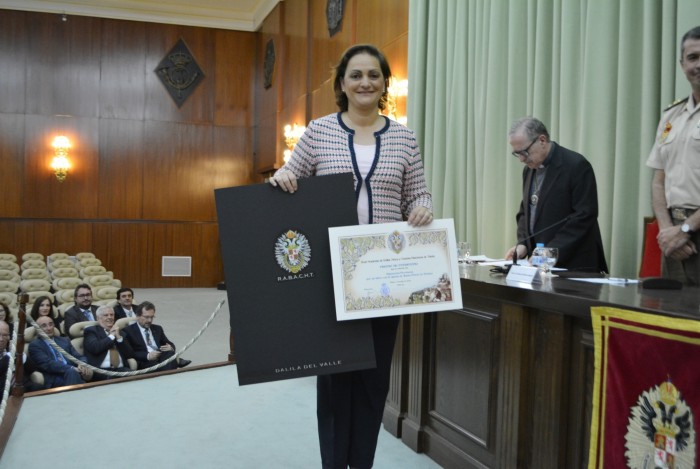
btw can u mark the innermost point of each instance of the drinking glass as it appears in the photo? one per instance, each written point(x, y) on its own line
point(550, 259)
point(463, 252)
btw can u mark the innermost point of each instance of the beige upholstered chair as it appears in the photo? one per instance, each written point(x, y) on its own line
point(101, 280)
point(10, 299)
point(8, 286)
point(91, 270)
point(88, 262)
point(107, 292)
point(33, 264)
point(68, 283)
point(35, 284)
point(56, 256)
point(8, 257)
point(61, 263)
point(65, 296)
point(32, 256)
point(9, 265)
point(108, 302)
point(61, 272)
point(35, 274)
point(84, 255)
point(33, 295)
point(76, 330)
point(123, 322)
point(10, 275)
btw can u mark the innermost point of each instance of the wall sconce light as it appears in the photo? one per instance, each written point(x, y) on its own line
point(60, 163)
point(291, 137)
point(397, 89)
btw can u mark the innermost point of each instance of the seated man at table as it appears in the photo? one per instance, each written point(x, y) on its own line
point(57, 369)
point(104, 346)
point(148, 341)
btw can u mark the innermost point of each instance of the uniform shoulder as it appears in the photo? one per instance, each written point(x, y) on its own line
point(676, 103)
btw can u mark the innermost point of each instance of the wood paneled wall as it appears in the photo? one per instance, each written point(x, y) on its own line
point(302, 86)
point(144, 171)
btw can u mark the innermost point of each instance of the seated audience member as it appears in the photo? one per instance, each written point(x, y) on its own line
point(125, 307)
point(43, 307)
point(57, 370)
point(148, 342)
point(104, 346)
point(83, 310)
point(6, 315)
point(4, 355)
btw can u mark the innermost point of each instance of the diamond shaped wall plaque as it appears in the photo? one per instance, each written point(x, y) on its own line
point(179, 73)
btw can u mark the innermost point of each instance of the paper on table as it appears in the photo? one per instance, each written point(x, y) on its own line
point(610, 281)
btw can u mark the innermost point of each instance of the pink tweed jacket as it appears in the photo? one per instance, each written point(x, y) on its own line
point(396, 181)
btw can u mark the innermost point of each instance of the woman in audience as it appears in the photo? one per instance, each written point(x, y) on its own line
point(6, 316)
point(43, 307)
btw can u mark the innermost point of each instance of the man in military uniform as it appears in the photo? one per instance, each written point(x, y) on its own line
point(675, 187)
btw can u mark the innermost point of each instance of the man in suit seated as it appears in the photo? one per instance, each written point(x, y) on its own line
point(83, 310)
point(57, 370)
point(104, 346)
point(148, 341)
point(125, 307)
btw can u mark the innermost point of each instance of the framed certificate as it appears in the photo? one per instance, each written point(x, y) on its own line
point(392, 269)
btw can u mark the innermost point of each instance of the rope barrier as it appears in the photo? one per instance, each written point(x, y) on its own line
point(120, 374)
point(10, 374)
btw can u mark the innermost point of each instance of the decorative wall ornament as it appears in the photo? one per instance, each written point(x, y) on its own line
point(334, 15)
point(269, 63)
point(179, 73)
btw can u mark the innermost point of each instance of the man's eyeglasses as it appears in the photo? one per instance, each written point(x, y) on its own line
point(85, 295)
point(525, 153)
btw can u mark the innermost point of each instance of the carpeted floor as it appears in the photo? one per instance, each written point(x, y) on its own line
point(194, 419)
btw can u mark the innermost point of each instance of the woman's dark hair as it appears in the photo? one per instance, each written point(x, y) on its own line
point(8, 315)
point(35, 307)
point(339, 72)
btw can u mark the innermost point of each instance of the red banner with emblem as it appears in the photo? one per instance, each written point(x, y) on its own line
point(646, 392)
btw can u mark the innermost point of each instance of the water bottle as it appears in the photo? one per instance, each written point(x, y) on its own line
point(538, 257)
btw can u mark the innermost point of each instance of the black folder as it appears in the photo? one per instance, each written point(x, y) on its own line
point(279, 281)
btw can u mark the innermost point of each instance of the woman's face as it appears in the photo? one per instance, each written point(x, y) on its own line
point(363, 82)
point(3, 313)
point(45, 308)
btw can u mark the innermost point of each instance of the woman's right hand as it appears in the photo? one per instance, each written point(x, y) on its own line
point(286, 180)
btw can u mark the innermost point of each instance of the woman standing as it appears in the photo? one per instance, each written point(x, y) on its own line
point(385, 160)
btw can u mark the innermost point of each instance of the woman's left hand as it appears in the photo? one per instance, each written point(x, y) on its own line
point(420, 216)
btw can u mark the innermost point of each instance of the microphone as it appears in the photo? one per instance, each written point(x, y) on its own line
point(506, 268)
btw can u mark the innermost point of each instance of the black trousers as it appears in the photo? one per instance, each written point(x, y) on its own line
point(350, 406)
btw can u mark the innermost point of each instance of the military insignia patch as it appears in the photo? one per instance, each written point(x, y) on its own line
point(661, 430)
point(664, 134)
point(292, 251)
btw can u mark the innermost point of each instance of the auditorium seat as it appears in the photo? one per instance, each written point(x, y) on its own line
point(61, 263)
point(10, 276)
point(57, 256)
point(88, 262)
point(67, 283)
point(4, 256)
point(10, 299)
point(76, 330)
point(9, 265)
point(33, 264)
point(65, 296)
point(650, 265)
point(35, 274)
point(84, 255)
point(92, 270)
point(62, 272)
point(107, 292)
point(34, 284)
point(123, 322)
point(33, 295)
point(101, 280)
point(8, 286)
point(32, 256)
